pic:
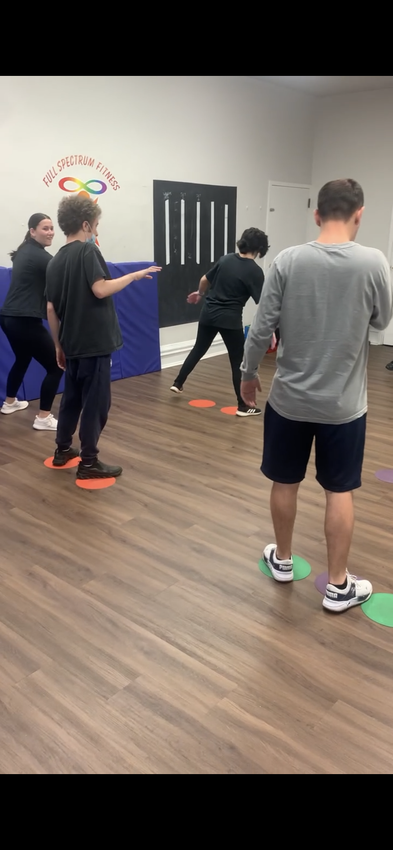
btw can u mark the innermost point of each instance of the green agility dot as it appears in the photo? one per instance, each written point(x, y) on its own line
point(379, 609)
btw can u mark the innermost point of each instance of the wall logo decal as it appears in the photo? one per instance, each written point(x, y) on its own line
point(77, 161)
point(89, 188)
point(86, 188)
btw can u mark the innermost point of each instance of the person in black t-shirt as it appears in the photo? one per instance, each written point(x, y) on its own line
point(233, 280)
point(86, 332)
point(21, 320)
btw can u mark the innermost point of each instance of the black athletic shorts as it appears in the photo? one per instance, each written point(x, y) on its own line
point(339, 451)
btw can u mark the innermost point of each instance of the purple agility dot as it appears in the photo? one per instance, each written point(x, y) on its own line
point(321, 582)
point(385, 475)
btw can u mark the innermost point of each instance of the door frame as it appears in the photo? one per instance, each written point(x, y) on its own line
point(286, 184)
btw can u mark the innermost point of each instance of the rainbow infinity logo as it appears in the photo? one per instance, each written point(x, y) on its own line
point(82, 187)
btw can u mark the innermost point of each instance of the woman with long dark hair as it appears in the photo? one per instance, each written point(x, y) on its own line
point(21, 320)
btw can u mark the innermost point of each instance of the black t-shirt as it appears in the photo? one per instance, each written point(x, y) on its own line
point(26, 295)
point(89, 325)
point(233, 280)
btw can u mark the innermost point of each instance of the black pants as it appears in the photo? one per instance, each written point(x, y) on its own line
point(87, 394)
point(234, 343)
point(30, 340)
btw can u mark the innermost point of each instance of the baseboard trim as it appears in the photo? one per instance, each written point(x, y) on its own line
point(175, 353)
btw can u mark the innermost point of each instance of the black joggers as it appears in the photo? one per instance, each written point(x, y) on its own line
point(234, 343)
point(87, 393)
point(30, 340)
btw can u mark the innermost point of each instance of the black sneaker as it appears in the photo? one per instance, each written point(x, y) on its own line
point(248, 411)
point(62, 457)
point(98, 470)
point(389, 366)
point(176, 388)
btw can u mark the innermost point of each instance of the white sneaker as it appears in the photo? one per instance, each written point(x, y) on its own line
point(280, 570)
point(356, 592)
point(16, 405)
point(47, 424)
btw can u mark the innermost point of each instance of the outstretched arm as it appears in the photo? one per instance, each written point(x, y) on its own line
point(102, 288)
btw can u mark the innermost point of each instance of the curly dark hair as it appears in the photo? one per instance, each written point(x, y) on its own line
point(74, 211)
point(253, 241)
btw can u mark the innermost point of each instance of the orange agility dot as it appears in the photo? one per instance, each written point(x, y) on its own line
point(94, 483)
point(231, 411)
point(202, 402)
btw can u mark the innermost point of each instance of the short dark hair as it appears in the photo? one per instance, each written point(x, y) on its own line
point(253, 241)
point(74, 211)
point(32, 224)
point(339, 200)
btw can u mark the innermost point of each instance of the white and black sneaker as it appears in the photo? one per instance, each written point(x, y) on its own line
point(280, 570)
point(356, 592)
point(248, 411)
point(176, 388)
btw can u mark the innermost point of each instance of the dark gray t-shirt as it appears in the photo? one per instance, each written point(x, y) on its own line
point(26, 295)
point(89, 325)
point(324, 299)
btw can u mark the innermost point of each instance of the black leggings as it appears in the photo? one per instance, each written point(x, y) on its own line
point(30, 340)
point(234, 343)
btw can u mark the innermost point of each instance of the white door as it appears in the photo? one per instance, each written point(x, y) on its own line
point(286, 224)
point(287, 218)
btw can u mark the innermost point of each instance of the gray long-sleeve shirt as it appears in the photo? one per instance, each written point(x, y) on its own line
point(323, 298)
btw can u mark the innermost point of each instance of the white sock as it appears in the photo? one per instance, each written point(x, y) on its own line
point(281, 560)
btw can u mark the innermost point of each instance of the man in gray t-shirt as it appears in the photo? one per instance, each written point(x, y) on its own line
point(324, 296)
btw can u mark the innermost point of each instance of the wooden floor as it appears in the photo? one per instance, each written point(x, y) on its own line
point(137, 634)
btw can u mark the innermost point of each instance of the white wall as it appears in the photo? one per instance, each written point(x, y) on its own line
point(221, 130)
point(353, 138)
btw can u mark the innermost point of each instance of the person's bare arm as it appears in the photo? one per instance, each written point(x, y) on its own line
point(103, 288)
point(203, 285)
point(54, 324)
